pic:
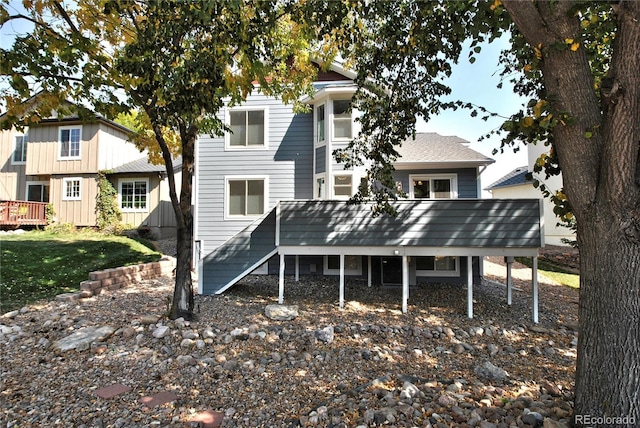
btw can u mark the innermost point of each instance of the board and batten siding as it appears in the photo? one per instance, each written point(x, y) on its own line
point(78, 212)
point(466, 178)
point(114, 147)
point(287, 164)
point(13, 185)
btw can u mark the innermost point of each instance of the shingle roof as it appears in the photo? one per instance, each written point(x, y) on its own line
point(515, 177)
point(430, 147)
point(143, 165)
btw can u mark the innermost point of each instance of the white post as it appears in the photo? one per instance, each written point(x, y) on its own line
point(509, 279)
point(297, 268)
point(470, 287)
point(405, 283)
point(368, 271)
point(281, 281)
point(341, 281)
point(534, 276)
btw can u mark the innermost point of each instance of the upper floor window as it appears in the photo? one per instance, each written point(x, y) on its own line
point(70, 142)
point(134, 194)
point(71, 189)
point(20, 150)
point(320, 123)
point(342, 119)
point(433, 186)
point(246, 196)
point(248, 129)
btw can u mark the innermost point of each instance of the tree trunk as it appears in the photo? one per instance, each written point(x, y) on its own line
point(608, 370)
point(599, 176)
point(182, 305)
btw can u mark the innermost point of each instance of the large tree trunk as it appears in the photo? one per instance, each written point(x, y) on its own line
point(608, 370)
point(600, 179)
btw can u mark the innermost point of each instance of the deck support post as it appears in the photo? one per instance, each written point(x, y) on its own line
point(368, 271)
point(297, 268)
point(509, 261)
point(405, 283)
point(281, 281)
point(534, 283)
point(341, 281)
point(470, 287)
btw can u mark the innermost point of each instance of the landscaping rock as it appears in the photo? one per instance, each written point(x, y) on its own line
point(281, 312)
point(82, 338)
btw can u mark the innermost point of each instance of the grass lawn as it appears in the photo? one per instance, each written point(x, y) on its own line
point(38, 265)
point(554, 271)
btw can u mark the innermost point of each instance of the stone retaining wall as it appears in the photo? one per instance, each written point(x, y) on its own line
point(120, 277)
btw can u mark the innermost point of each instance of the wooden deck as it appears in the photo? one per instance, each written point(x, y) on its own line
point(22, 213)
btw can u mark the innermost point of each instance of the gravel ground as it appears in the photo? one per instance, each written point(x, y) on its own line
point(364, 366)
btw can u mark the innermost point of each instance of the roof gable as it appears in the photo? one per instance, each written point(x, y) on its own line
point(430, 147)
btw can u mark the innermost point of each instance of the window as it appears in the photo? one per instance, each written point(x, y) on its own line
point(341, 119)
point(352, 265)
point(38, 192)
point(246, 197)
point(437, 266)
point(320, 188)
point(70, 142)
point(20, 150)
point(134, 194)
point(342, 186)
point(248, 129)
point(70, 189)
point(320, 123)
point(433, 187)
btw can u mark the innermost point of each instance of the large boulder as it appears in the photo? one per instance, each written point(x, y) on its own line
point(281, 312)
point(81, 339)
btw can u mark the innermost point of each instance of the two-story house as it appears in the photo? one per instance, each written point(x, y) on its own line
point(57, 161)
point(271, 199)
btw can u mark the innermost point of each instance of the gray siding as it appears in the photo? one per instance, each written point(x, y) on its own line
point(240, 255)
point(288, 164)
point(467, 183)
point(321, 161)
point(433, 223)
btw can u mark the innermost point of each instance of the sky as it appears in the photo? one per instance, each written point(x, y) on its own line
point(476, 83)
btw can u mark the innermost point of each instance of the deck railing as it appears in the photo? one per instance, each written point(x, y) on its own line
point(22, 213)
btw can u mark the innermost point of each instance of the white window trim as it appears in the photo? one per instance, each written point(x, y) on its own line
point(332, 184)
point(228, 178)
point(24, 147)
point(332, 125)
point(62, 128)
point(452, 177)
point(64, 189)
point(128, 180)
point(227, 135)
point(315, 124)
point(443, 273)
point(356, 271)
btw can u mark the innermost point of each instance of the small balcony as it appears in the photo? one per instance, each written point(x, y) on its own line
point(14, 214)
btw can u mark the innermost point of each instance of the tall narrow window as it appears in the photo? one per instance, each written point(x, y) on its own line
point(248, 128)
point(245, 197)
point(134, 195)
point(70, 189)
point(320, 123)
point(70, 142)
point(20, 150)
point(320, 188)
point(342, 119)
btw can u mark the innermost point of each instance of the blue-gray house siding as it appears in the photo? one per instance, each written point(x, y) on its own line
point(287, 164)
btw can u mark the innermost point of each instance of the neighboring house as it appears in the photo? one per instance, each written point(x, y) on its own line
point(271, 199)
point(515, 185)
point(57, 161)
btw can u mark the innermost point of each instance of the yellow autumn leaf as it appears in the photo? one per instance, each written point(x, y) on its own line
point(527, 121)
point(568, 41)
point(495, 4)
point(537, 109)
point(575, 46)
point(538, 51)
point(527, 68)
